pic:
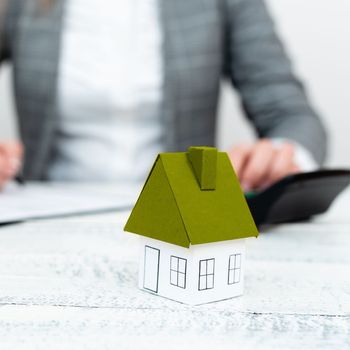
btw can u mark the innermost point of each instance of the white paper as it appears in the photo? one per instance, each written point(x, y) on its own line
point(41, 200)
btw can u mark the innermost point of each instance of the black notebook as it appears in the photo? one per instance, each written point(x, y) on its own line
point(297, 197)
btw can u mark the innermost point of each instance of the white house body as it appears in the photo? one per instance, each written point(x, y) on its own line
point(196, 275)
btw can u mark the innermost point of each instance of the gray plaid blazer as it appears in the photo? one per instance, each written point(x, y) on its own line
point(204, 40)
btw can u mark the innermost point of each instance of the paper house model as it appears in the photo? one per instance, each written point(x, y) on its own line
point(193, 220)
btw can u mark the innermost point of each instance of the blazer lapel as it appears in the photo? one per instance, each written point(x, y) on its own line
point(36, 55)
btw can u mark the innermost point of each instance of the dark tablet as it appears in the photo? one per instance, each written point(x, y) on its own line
point(297, 197)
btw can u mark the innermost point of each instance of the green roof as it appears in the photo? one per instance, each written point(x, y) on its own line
point(192, 198)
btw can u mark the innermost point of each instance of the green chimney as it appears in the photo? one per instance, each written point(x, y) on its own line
point(204, 163)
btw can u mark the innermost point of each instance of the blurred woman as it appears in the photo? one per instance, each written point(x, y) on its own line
point(102, 86)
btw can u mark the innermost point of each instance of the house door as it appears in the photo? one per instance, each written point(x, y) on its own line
point(151, 269)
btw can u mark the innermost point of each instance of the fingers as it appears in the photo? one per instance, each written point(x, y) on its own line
point(257, 168)
point(283, 163)
point(263, 163)
point(239, 156)
point(3, 170)
point(10, 160)
point(12, 149)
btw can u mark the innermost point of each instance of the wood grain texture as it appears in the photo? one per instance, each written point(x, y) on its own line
point(72, 283)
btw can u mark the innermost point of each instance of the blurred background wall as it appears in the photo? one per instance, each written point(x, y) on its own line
point(317, 37)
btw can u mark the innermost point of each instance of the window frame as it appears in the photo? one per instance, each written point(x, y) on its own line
point(206, 274)
point(177, 271)
point(232, 271)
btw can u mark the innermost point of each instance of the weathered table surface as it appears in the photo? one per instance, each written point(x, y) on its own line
point(71, 284)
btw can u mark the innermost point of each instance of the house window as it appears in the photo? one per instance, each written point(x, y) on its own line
point(178, 268)
point(234, 268)
point(206, 274)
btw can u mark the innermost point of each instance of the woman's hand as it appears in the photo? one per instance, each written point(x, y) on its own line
point(11, 153)
point(263, 163)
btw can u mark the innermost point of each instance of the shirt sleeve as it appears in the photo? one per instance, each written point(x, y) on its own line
point(273, 98)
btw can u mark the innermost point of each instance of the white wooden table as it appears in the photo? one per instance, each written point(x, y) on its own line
point(71, 284)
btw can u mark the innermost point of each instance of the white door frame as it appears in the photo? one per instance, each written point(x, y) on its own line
point(151, 269)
